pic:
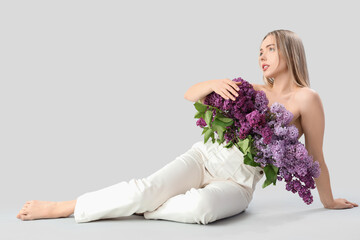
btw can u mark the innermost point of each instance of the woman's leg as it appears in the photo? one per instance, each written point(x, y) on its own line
point(128, 197)
point(146, 194)
point(217, 200)
point(46, 209)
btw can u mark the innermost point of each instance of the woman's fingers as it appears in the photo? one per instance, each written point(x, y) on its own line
point(235, 85)
point(353, 204)
point(225, 94)
point(227, 88)
point(348, 204)
point(340, 203)
point(231, 90)
point(222, 94)
point(228, 95)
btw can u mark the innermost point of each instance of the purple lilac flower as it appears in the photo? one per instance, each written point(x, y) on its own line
point(293, 132)
point(275, 140)
point(267, 134)
point(244, 130)
point(291, 157)
point(201, 122)
point(255, 119)
point(261, 102)
point(279, 130)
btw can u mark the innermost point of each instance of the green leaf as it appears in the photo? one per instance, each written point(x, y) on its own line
point(200, 107)
point(199, 115)
point(276, 169)
point(222, 117)
point(208, 116)
point(219, 129)
point(271, 175)
point(229, 144)
point(212, 137)
point(208, 134)
point(221, 123)
point(221, 136)
point(249, 160)
point(250, 155)
point(225, 119)
point(252, 150)
point(240, 149)
point(243, 144)
point(266, 183)
point(205, 129)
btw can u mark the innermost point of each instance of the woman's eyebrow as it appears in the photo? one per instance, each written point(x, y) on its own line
point(267, 46)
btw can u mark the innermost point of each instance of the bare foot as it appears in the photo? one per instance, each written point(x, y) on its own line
point(46, 209)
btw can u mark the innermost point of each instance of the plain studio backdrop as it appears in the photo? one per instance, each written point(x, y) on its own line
point(92, 92)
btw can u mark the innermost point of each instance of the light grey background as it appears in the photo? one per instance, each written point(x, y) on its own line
point(91, 94)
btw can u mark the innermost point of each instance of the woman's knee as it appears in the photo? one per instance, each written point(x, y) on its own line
point(203, 210)
point(209, 207)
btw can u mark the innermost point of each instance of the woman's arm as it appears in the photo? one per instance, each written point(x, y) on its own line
point(198, 91)
point(225, 87)
point(313, 124)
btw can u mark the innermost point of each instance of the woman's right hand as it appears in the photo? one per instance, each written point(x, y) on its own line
point(225, 88)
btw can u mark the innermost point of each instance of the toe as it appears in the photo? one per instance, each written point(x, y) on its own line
point(25, 206)
point(23, 211)
point(27, 217)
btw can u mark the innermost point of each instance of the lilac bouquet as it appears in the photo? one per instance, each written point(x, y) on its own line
point(264, 135)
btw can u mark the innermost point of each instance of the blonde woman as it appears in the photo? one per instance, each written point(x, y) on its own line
point(210, 182)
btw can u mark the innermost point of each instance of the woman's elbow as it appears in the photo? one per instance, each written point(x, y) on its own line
point(188, 98)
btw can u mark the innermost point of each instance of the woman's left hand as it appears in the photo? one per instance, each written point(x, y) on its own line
point(340, 203)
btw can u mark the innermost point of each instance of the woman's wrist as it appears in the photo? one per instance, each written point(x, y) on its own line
point(329, 203)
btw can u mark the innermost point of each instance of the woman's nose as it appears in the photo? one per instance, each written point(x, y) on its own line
point(263, 57)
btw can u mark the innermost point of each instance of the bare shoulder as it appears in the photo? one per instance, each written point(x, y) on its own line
point(307, 94)
point(308, 98)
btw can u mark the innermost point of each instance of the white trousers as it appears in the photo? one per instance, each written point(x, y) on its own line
point(204, 184)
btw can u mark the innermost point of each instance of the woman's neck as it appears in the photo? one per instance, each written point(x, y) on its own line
point(283, 84)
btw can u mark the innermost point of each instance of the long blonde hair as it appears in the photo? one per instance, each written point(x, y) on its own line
point(292, 49)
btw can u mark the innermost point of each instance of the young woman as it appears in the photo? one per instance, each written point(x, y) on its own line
point(210, 182)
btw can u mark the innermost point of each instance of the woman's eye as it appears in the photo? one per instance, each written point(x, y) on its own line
point(269, 48)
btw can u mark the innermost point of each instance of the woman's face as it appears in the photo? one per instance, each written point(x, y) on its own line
point(271, 60)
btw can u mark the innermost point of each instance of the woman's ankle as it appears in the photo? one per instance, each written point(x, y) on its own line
point(65, 208)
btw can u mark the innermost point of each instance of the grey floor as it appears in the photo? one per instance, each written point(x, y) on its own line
point(273, 213)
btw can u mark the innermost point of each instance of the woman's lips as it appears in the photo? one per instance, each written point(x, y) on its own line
point(265, 67)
